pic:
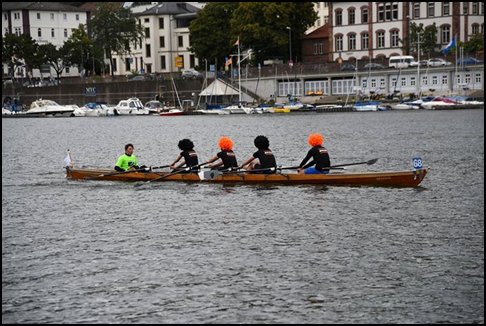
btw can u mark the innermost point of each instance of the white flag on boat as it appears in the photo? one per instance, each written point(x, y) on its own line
point(67, 160)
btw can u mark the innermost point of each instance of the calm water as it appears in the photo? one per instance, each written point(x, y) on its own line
point(107, 252)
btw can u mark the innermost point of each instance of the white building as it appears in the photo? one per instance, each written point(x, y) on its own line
point(45, 22)
point(360, 30)
point(166, 29)
point(322, 10)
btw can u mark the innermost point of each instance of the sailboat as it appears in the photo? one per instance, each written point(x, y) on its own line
point(174, 111)
point(240, 107)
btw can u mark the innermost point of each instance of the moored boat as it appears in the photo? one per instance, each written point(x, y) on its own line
point(391, 178)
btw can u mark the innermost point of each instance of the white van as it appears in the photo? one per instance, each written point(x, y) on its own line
point(402, 61)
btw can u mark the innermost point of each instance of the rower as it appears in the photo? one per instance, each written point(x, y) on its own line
point(226, 159)
point(128, 161)
point(189, 155)
point(266, 159)
point(319, 155)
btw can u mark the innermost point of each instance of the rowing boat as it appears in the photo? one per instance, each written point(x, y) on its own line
point(391, 178)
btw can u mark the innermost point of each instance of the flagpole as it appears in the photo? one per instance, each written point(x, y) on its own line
point(239, 71)
point(455, 77)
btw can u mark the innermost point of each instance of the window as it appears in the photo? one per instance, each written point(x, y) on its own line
point(424, 80)
point(65, 32)
point(364, 15)
point(52, 32)
point(64, 16)
point(445, 35)
point(147, 50)
point(445, 8)
point(52, 16)
point(435, 80)
point(146, 20)
point(318, 48)
point(394, 39)
point(339, 42)
point(444, 79)
point(67, 70)
point(39, 32)
point(380, 39)
point(430, 9)
point(18, 31)
point(465, 8)
point(364, 41)
point(192, 61)
point(162, 41)
point(475, 28)
point(161, 23)
point(352, 42)
point(162, 62)
point(127, 64)
point(404, 81)
point(351, 16)
point(147, 32)
point(475, 8)
point(339, 17)
point(38, 15)
point(16, 16)
point(114, 64)
point(412, 81)
point(180, 41)
point(381, 13)
point(477, 77)
point(77, 16)
point(416, 10)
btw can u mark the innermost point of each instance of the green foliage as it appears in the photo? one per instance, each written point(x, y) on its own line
point(474, 44)
point(261, 26)
point(428, 38)
point(115, 29)
point(18, 50)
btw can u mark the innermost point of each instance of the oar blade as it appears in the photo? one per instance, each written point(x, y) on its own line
point(373, 161)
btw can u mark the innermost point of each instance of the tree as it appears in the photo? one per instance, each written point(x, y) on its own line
point(115, 29)
point(475, 44)
point(56, 58)
point(210, 31)
point(19, 50)
point(261, 26)
point(429, 40)
point(78, 47)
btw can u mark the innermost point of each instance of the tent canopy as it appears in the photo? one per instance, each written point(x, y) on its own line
point(218, 88)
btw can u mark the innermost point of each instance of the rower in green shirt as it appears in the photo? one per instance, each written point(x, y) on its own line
point(127, 161)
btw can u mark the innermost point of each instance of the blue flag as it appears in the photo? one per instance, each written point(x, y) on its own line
point(450, 46)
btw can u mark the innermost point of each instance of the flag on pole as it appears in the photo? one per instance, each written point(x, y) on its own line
point(450, 46)
point(67, 160)
point(237, 43)
point(229, 61)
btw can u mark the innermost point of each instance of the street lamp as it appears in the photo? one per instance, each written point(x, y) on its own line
point(290, 44)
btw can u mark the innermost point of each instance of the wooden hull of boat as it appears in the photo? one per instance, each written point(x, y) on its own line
point(393, 179)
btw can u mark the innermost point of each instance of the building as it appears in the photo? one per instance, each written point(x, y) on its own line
point(165, 48)
point(360, 30)
point(45, 22)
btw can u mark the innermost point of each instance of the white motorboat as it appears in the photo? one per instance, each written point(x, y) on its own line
point(132, 106)
point(50, 108)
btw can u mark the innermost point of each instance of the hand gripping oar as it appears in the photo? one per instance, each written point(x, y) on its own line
point(337, 167)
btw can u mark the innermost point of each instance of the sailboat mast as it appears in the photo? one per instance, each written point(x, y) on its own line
point(239, 72)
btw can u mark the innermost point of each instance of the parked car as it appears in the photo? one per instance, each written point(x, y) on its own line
point(191, 74)
point(438, 62)
point(469, 61)
point(348, 67)
point(137, 78)
point(372, 66)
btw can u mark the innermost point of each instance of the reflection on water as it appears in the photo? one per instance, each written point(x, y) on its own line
point(110, 252)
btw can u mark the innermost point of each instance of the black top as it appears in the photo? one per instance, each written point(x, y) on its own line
point(190, 157)
point(320, 157)
point(266, 158)
point(228, 158)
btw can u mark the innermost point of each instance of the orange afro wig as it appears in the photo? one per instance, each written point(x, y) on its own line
point(315, 140)
point(225, 143)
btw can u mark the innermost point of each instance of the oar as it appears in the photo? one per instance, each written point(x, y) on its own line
point(174, 173)
point(337, 167)
point(159, 167)
point(115, 173)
